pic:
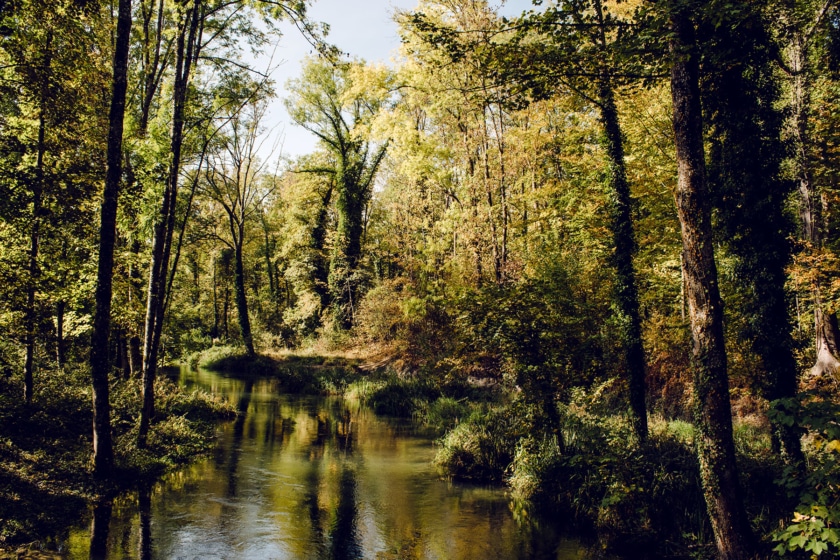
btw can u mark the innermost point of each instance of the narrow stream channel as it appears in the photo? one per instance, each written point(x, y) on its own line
point(312, 478)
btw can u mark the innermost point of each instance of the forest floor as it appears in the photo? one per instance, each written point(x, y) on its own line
point(45, 447)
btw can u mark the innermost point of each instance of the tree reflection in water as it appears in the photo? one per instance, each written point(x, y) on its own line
point(344, 534)
point(145, 503)
point(99, 526)
point(313, 478)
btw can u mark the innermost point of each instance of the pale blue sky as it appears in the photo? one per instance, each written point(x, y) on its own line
point(362, 28)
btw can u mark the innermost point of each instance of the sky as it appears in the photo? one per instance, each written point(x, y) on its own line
point(363, 29)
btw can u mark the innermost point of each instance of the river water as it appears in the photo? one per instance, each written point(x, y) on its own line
point(312, 478)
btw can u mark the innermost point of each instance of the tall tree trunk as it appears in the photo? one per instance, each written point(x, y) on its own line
point(60, 357)
point(746, 151)
point(626, 293)
point(320, 272)
point(621, 222)
point(164, 225)
point(712, 409)
point(35, 231)
point(269, 267)
point(343, 287)
point(103, 453)
point(215, 333)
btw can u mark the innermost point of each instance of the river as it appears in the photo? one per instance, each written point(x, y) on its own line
point(312, 478)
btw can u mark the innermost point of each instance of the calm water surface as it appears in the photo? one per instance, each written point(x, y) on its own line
point(303, 477)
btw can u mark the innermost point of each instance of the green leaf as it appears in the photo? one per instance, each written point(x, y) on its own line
point(797, 541)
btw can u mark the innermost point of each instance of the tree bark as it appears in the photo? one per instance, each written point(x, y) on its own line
point(626, 292)
point(60, 357)
point(811, 209)
point(320, 268)
point(712, 409)
point(103, 453)
point(746, 152)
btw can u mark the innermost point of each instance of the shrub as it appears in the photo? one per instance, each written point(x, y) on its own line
point(482, 447)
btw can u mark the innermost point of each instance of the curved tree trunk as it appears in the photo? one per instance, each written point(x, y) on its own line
point(712, 409)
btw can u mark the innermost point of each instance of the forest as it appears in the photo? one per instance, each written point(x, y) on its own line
point(592, 248)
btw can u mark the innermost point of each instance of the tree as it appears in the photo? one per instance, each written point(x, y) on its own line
point(323, 100)
point(187, 44)
point(712, 409)
point(574, 47)
point(804, 28)
point(103, 454)
point(740, 98)
point(234, 180)
point(50, 89)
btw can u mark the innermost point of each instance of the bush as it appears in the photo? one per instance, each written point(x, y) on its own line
point(482, 447)
point(814, 525)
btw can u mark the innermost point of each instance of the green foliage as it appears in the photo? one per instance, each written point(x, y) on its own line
point(814, 526)
point(545, 336)
point(482, 447)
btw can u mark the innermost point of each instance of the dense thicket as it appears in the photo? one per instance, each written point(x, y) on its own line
point(622, 213)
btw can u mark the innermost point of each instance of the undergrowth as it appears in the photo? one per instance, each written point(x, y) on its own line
point(45, 447)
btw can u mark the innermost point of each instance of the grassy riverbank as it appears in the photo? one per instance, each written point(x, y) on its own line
point(440, 404)
point(643, 500)
point(586, 464)
point(45, 447)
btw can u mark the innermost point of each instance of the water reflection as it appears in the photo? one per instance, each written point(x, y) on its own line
point(145, 515)
point(344, 534)
point(99, 526)
point(312, 478)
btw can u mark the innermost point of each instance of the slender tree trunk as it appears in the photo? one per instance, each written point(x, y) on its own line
point(811, 209)
point(240, 293)
point(621, 222)
point(712, 409)
point(226, 313)
point(122, 354)
point(35, 231)
point(320, 273)
point(60, 357)
point(103, 453)
point(163, 230)
point(269, 267)
point(215, 333)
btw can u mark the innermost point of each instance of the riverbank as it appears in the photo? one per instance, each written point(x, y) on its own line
point(45, 447)
point(371, 380)
point(642, 497)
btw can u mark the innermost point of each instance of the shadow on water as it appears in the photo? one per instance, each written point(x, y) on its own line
point(242, 406)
